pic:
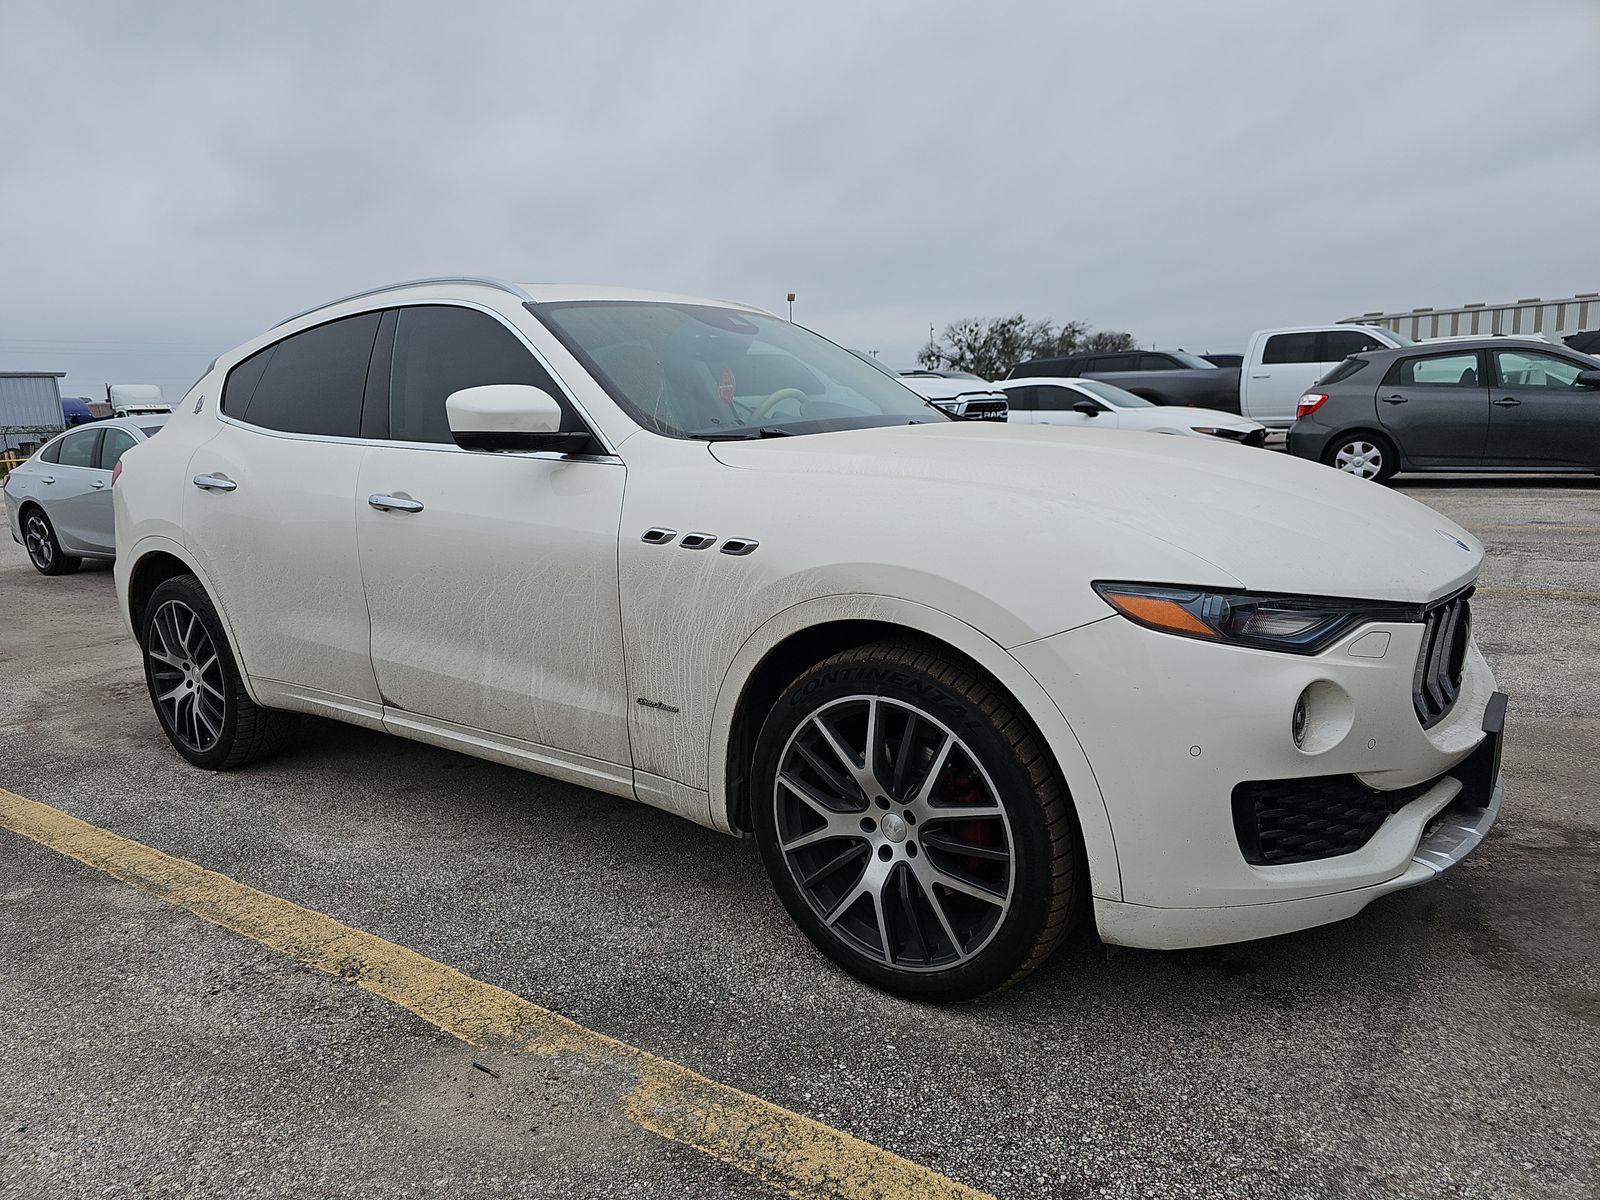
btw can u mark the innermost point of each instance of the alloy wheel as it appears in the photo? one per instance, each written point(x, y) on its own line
point(187, 677)
point(894, 833)
point(1360, 458)
point(37, 538)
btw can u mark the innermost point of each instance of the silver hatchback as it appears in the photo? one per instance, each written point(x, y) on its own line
point(59, 501)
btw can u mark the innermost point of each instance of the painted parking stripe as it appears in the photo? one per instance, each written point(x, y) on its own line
point(789, 1152)
point(1537, 593)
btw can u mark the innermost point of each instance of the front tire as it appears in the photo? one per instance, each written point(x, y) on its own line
point(1365, 455)
point(913, 825)
point(44, 548)
point(195, 685)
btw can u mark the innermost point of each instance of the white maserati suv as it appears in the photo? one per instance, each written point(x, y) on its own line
point(968, 685)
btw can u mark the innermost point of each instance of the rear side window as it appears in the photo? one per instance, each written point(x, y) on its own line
point(1343, 371)
point(1437, 370)
point(1155, 362)
point(1341, 343)
point(1291, 348)
point(51, 453)
point(80, 449)
point(440, 349)
point(309, 383)
point(1114, 362)
point(116, 443)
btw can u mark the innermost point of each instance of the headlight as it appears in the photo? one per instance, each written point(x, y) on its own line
point(1270, 621)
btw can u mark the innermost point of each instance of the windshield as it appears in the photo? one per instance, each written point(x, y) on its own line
point(1193, 361)
point(692, 370)
point(1112, 395)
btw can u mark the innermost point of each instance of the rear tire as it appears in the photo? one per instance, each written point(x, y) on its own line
point(195, 685)
point(1364, 455)
point(43, 546)
point(944, 863)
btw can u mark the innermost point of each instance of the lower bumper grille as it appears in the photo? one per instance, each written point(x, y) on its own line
point(1281, 821)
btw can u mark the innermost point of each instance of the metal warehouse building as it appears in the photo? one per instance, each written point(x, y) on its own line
point(30, 407)
point(1554, 319)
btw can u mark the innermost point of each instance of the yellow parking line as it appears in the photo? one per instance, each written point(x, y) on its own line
point(788, 1151)
point(1540, 593)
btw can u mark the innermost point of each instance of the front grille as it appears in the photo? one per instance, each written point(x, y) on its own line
point(1436, 682)
point(1280, 821)
point(985, 410)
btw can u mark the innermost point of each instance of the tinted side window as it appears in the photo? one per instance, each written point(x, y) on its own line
point(240, 385)
point(1291, 348)
point(313, 381)
point(1446, 370)
point(80, 449)
point(1020, 398)
point(439, 350)
point(1156, 362)
point(1341, 343)
point(1343, 371)
point(1058, 399)
point(51, 453)
point(116, 443)
point(1111, 363)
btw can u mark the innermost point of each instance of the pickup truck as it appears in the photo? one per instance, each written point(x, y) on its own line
point(1278, 367)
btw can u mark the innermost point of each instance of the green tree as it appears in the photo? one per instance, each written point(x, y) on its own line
point(991, 346)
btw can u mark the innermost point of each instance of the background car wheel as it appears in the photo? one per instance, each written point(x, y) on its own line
point(1367, 455)
point(44, 549)
point(195, 685)
point(913, 825)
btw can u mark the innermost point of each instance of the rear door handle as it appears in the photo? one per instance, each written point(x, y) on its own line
point(214, 483)
point(1395, 399)
point(1261, 377)
point(1508, 402)
point(386, 503)
point(48, 479)
point(98, 483)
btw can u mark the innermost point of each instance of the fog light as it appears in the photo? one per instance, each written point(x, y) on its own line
point(1297, 723)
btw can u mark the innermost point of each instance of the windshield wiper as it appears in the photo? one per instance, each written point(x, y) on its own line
point(746, 435)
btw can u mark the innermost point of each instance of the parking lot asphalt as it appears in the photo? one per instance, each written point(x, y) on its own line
point(1445, 1042)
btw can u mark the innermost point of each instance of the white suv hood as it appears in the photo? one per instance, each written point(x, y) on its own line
point(1271, 522)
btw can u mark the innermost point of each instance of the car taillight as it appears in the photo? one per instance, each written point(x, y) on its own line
point(116, 472)
point(1309, 403)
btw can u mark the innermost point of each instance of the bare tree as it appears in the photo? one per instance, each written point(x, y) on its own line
point(991, 346)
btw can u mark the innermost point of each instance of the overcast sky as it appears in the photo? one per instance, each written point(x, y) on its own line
point(175, 177)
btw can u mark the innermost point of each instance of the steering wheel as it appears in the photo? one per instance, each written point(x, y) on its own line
point(771, 402)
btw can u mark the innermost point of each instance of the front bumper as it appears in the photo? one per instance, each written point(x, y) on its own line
point(1171, 726)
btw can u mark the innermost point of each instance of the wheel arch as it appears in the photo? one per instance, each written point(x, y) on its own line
point(801, 636)
point(154, 561)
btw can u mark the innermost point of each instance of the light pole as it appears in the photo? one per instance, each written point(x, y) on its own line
point(791, 308)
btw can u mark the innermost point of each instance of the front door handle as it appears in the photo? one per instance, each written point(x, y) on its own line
point(214, 483)
point(1395, 399)
point(386, 503)
point(1508, 402)
point(98, 483)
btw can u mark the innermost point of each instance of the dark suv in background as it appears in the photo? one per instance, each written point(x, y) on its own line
point(1470, 404)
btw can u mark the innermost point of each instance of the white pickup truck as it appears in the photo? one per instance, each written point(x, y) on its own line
point(1279, 365)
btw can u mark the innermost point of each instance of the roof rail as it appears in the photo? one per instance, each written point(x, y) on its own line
point(500, 285)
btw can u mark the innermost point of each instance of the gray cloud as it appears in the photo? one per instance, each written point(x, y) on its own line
point(178, 176)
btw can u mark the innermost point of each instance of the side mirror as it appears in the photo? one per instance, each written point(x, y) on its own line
point(1087, 407)
point(1588, 379)
point(509, 416)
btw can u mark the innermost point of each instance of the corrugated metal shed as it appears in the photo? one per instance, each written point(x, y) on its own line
point(1554, 319)
point(30, 407)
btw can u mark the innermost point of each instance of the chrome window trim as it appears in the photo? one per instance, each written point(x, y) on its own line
point(610, 454)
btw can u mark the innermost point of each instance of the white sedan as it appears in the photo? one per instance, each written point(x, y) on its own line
point(969, 687)
point(1091, 404)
